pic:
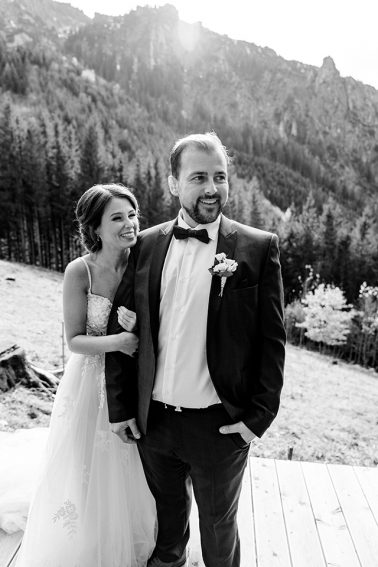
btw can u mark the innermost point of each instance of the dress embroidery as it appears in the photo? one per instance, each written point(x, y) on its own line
point(68, 514)
point(97, 316)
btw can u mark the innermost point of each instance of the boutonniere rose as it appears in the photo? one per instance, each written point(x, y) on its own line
point(224, 268)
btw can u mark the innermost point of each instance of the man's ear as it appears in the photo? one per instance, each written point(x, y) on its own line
point(173, 185)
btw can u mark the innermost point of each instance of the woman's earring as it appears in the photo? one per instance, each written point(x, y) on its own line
point(98, 238)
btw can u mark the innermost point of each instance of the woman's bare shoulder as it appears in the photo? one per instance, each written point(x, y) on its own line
point(76, 270)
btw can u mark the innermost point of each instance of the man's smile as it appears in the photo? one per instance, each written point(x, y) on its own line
point(209, 201)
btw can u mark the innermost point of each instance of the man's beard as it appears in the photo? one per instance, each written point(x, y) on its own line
point(203, 217)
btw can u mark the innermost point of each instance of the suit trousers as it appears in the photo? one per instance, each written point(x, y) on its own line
point(184, 449)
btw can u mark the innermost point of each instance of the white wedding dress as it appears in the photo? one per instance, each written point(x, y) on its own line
point(92, 506)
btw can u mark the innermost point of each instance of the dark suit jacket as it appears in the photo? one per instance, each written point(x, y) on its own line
point(245, 328)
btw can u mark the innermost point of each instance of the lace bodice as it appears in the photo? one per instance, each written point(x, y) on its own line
point(98, 311)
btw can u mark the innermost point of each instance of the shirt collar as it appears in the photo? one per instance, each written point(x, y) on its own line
point(211, 227)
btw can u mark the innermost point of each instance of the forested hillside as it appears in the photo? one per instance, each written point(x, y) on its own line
point(84, 101)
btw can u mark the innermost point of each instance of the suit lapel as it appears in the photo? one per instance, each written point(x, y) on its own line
point(159, 253)
point(227, 240)
point(227, 237)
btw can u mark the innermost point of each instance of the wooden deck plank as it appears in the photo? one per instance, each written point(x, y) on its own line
point(358, 515)
point(270, 531)
point(9, 543)
point(303, 537)
point(368, 479)
point(338, 547)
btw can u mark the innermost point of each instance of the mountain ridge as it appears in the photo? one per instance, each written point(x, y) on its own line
point(103, 99)
point(321, 125)
point(297, 101)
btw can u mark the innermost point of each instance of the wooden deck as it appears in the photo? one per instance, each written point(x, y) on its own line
point(294, 514)
point(299, 514)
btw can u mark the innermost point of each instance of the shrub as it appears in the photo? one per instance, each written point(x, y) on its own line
point(327, 316)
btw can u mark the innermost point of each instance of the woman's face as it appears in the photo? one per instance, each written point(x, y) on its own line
point(119, 224)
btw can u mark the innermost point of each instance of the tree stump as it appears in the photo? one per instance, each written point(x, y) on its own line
point(15, 369)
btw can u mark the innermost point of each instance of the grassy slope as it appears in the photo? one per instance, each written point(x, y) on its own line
point(328, 411)
point(31, 312)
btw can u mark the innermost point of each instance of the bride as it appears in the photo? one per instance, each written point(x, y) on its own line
point(92, 506)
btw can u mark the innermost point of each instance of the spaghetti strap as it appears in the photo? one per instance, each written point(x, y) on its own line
point(89, 274)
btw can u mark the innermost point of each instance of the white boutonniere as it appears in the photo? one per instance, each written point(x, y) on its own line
point(224, 268)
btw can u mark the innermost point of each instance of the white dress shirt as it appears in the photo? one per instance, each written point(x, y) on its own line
point(182, 374)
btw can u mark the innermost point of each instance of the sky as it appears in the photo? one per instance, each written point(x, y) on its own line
point(302, 30)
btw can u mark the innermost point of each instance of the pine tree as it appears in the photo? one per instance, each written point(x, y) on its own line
point(141, 193)
point(308, 232)
point(10, 78)
point(92, 156)
point(60, 195)
point(23, 199)
point(8, 180)
point(34, 180)
point(328, 245)
point(44, 213)
point(157, 209)
point(344, 269)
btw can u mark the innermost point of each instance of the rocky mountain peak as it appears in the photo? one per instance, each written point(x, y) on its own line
point(323, 125)
point(328, 71)
point(30, 17)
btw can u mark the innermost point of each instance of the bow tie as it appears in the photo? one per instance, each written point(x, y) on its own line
point(181, 233)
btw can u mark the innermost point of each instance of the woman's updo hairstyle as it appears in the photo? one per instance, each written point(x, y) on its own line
point(91, 206)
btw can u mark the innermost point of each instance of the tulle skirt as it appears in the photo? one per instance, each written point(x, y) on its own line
point(92, 506)
point(20, 456)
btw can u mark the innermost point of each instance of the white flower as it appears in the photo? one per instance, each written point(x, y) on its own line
point(220, 257)
point(224, 268)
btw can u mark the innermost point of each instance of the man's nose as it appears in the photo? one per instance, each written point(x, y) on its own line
point(211, 187)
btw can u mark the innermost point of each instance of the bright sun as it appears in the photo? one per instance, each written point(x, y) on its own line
point(188, 35)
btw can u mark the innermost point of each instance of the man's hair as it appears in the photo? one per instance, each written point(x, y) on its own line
point(206, 142)
point(91, 206)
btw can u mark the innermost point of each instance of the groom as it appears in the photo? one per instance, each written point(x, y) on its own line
point(211, 355)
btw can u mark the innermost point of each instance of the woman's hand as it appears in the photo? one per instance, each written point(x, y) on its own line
point(126, 318)
point(127, 343)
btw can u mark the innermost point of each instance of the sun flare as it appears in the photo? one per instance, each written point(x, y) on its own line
point(188, 35)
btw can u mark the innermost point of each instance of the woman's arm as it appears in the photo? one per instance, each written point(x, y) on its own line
point(75, 287)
